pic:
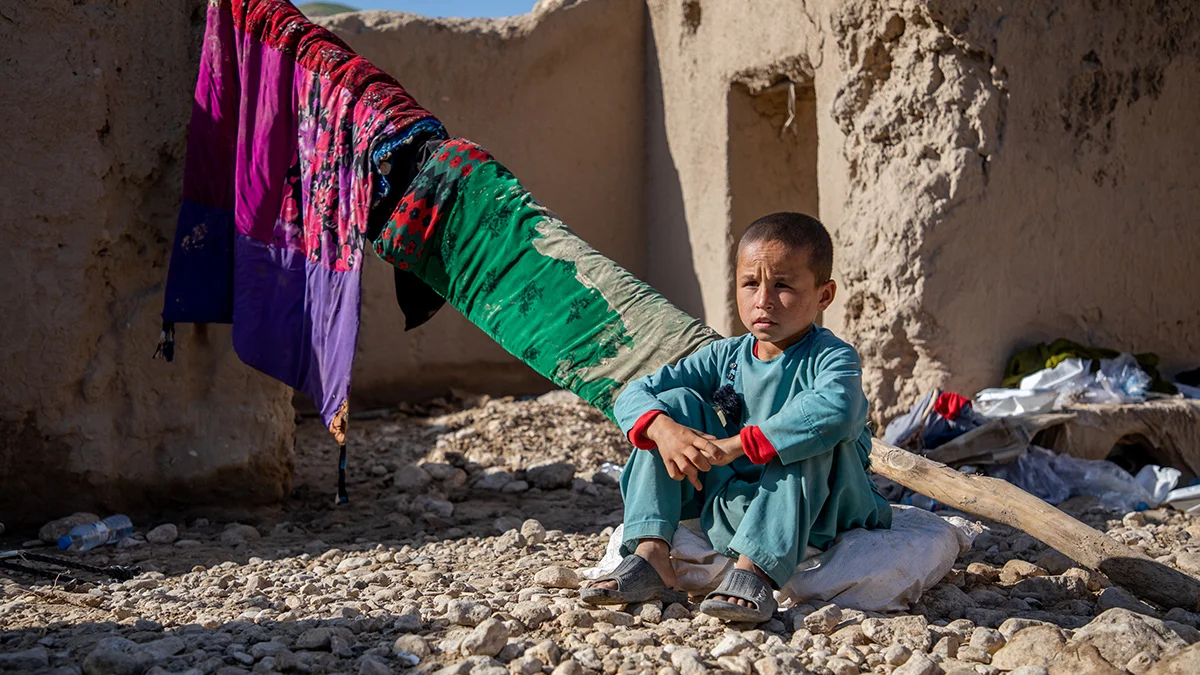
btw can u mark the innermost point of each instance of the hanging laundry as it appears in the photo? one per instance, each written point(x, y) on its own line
point(293, 139)
point(302, 153)
point(468, 228)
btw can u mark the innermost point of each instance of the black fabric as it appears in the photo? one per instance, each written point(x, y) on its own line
point(416, 299)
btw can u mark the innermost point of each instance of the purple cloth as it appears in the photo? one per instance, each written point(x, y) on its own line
point(279, 182)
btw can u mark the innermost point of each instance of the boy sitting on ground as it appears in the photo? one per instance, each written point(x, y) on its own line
point(779, 465)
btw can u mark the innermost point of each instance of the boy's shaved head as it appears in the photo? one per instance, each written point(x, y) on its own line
point(798, 231)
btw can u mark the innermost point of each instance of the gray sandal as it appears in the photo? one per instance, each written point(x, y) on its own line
point(744, 586)
point(637, 581)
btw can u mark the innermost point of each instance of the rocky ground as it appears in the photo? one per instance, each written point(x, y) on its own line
point(458, 551)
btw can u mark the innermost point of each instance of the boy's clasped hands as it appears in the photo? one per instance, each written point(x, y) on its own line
point(687, 452)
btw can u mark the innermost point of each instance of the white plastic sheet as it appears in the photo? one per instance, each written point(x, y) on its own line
point(1055, 477)
point(1184, 498)
point(1118, 380)
point(1069, 376)
point(1006, 402)
point(1158, 481)
point(869, 570)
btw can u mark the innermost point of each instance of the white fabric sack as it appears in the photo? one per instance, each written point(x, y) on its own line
point(883, 570)
point(869, 570)
point(698, 567)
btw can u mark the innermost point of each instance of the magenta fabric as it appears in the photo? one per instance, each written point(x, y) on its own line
point(278, 186)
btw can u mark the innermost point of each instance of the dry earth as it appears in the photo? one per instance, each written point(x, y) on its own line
point(457, 555)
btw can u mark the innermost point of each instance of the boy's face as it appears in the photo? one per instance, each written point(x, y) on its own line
point(777, 293)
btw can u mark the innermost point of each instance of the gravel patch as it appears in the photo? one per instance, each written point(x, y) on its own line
point(458, 553)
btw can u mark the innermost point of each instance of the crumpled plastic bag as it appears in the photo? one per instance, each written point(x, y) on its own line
point(1102, 479)
point(1034, 473)
point(1046, 474)
point(1119, 380)
point(870, 570)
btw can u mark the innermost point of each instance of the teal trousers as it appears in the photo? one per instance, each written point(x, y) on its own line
point(759, 511)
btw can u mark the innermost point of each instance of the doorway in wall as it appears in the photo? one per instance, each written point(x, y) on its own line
point(772, 158)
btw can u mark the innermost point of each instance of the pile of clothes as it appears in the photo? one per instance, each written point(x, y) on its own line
point(1056, 375)
point(995, 432)
point(939, 417)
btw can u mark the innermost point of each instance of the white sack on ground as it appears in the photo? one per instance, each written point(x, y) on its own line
point(869, 570)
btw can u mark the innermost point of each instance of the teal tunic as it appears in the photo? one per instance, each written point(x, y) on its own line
point(809, 404)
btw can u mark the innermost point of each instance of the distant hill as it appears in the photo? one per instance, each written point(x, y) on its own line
point(315, 9)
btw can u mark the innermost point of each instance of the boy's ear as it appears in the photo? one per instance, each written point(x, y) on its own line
point(826, 294)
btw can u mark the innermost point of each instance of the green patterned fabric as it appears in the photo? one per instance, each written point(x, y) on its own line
point(513, 269)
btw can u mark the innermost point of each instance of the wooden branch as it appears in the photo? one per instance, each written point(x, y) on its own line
point(1005, 503)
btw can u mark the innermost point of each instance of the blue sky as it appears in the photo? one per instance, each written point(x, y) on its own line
point(469, 8)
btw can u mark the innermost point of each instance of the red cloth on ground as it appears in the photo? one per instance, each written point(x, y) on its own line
point(950, 404)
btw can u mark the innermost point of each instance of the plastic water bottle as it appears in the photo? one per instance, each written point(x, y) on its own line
point(86, 537)
point(612, 470)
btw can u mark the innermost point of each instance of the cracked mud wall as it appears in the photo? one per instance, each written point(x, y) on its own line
point(703, 58)
point(556, 95)
point(1015, 174)
point(96, 98)
point(992, 176)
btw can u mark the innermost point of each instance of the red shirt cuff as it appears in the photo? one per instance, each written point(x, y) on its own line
point(637, 435)
point(756, 446)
